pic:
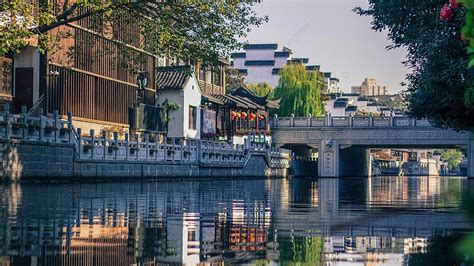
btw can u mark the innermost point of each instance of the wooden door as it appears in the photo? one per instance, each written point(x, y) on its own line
point(23, 87)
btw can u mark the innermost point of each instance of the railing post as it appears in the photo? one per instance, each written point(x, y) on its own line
point(24, 114)
point(127, 150)
point(351, 120)
point(165, 149)
point(104, 143)
point(371, 120)
point(116, 145)
point(56, 122)
point(181, 149)
point(198, 151)
point(390, 123)
point(174, 150)
point(40, 124)
point(137, 148)
point(275, 120)
point(69, 126)
point(413, 122)
point(308, 121)
point(92, 133)
point(6, 109)
point(147, 148)
point(292, 120)
point(79, 136)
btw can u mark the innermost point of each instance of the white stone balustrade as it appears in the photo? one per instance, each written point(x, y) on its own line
point(349, 121)
point(96, 146)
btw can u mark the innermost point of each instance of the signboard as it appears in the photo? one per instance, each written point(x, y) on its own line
point(208, 122)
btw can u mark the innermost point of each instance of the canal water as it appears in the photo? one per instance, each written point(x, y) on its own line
point(374, 221)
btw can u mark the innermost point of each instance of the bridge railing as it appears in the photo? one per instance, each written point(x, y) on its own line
point(349, 121)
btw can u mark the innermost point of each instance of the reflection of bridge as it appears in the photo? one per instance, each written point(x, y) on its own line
point(405, 217)
point(343, 143)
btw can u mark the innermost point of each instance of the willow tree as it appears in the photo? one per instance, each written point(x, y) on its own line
point(299, 91)
point(195, 29)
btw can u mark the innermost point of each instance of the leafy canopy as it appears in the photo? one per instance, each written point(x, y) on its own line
point(193, 29)
point(440, 84)
point(299, 91)
point(261, 89)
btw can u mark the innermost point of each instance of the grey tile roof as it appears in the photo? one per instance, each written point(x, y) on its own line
point(172, 77)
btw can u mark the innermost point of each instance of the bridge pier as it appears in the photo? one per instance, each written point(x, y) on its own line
point(335, 160)
point(470, 159)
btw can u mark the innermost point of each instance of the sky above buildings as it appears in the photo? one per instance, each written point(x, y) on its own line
point(331, 35)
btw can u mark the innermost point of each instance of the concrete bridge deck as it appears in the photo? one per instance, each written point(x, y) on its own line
point(343, 143)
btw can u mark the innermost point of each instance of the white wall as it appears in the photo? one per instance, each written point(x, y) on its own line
point(260, 54)
point(239, 63)
point(259, 74)
point(178, 127)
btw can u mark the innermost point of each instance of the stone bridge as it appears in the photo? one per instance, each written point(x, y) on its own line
point(344, 143)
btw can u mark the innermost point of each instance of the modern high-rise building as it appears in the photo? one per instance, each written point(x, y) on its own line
point(370, 87)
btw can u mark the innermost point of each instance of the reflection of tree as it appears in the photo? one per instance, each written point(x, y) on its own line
point(451, 196)
point(301, 250)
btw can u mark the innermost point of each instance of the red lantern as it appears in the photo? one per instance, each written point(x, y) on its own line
point(251, 116)
point(232, 115)
point(454, 4)
point(237, 115)
point(261, 117)
point(244, 114)
point(446, 13)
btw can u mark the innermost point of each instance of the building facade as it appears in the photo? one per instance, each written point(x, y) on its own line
point(92, 74)
point(370, 87)
point(262, 63)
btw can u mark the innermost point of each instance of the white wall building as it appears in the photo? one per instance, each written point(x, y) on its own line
point(345, 104)
point(262, 63)
point(179, 85)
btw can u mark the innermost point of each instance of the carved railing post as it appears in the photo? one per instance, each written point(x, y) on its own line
point(137, 148)
point(41, 127)
point(147, 146)
point(104, 144)
point(79, 136)
point(390, 123)
point(92, 133)
point(292, 120)
point(127, 148)
point(56, 122)
point(69, 126)
point(8, 126)
point(116, 145)
point(275, 120)
point(371, 120)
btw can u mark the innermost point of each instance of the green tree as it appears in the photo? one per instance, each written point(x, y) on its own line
point(453, 157)
point(439, 84)
point(193, 29)
point(261, 89)
point(234, 79)
point(299, 91)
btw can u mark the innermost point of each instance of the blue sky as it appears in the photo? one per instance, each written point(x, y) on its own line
point(331, 35)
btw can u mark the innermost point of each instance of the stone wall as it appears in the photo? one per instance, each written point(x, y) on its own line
point(33, 159)
point(56, 161)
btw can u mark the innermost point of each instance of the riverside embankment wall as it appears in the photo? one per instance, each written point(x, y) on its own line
point(30, 160)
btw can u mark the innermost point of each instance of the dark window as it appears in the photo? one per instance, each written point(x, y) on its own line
point(192, 235)
point(192, 117)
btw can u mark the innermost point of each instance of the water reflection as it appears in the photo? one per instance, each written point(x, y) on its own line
point(383, 220)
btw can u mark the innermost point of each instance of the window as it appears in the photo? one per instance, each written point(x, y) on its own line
point(192, 235)
point(192, 117)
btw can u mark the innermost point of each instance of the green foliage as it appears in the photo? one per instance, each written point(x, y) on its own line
point(299, 91)
point(196, 29)
point(452, 157)
point(437, 58)
point(301, 250)
point(468, 29)
point(261, 89)
point(234, 79)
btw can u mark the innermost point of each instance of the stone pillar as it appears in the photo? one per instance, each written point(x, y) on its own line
point(470, 159)
point(354, 161)
point(328, 163)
